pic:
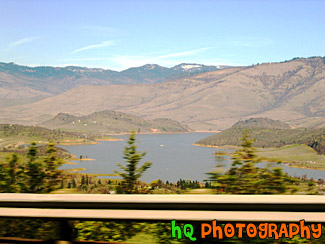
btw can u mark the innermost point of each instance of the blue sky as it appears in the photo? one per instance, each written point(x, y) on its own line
point(119, 34)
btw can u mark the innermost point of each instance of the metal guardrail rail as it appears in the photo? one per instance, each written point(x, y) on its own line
point(193, 208)
point(164, 207)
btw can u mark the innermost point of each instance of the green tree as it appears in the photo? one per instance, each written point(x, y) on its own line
point(8, 175)
point(244, 177)
point(74, 184)
point(52, 174)
point(32, 172)
point(87, 180)
point(36, 175)
point(131, 171)
point(83, 181)
point(105, 231)
point(12, 171)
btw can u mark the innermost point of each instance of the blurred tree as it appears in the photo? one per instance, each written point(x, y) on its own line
point(83, 181)
point(131, 171)
point(37, 175)
point(105, 231)
point(52, 174)
point(8, 175)
point(244, 177)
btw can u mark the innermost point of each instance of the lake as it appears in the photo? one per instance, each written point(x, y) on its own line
point(173, 157)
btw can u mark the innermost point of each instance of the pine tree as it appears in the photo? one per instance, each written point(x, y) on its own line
point(12, 174)
point(131, 171)
point(52, 174)
point(37, 175)
point(34, 175)
point(74, 185)
point(83, 181)
point(8, 175)
point(245, 178)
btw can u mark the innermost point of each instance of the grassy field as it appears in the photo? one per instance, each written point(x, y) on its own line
point(297, 155)
point(15, 136)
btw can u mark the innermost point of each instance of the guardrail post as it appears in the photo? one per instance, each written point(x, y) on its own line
point(66, 231)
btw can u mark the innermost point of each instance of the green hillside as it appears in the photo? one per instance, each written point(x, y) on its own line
point(12, 135)
point(296, 155)
point(268, 137)
point(112, 122)
point(261, 123)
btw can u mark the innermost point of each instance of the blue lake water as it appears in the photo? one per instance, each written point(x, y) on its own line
point(173, 156)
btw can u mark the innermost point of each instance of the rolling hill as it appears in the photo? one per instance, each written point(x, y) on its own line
point(112, 122)
point(261, 123)
point(292, 91)
point(268, 133)
point(12, 135)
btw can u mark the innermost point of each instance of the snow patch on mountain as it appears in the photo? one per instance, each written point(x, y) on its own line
point(190, 66)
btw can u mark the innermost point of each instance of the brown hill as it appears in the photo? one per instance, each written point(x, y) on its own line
point(292, 91)
point(22, 84)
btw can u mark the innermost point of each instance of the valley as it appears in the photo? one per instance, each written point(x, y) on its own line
point(160, 121)
point(198, 98)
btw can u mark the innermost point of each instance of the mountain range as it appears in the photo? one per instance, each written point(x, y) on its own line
point(23, 84)
point(291, 91)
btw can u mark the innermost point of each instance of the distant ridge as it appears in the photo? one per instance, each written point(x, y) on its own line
point(22, 84)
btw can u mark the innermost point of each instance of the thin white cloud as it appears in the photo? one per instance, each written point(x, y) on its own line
point(94, 46)
point(21, 42)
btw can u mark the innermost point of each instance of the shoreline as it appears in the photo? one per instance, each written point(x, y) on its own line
point(295, 166)
point(113, 139)
point(286, 163)
point(74, 158)
point(159, 133)
point(89, 142)
point(147, 133)
point(289, 164)
point(202, 145)
point(76, 143)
